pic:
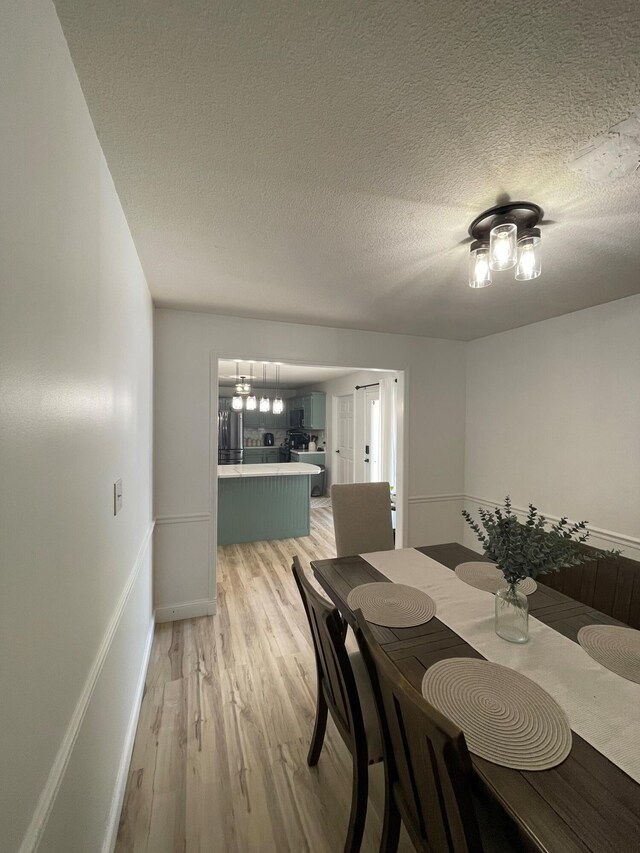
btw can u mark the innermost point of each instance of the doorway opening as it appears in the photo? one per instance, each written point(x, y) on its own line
point(345, 421)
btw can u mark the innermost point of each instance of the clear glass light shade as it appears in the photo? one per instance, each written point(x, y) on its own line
point(251, 403)
point(529, 258)
point(479, 269)
point(265, 404)
point(503, 246)
point(236, 402)
point(278, 406)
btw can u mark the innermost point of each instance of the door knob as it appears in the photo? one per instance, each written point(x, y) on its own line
point(366, 460)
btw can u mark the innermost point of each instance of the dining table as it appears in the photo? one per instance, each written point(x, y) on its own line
point(586, 803)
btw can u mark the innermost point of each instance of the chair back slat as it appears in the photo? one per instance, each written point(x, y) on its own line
point(362, 518)
point(428, 762)
point(335, 675)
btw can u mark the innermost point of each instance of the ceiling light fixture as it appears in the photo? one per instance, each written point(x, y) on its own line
point(504, 237)
point(265, 402)
point(278, 405)
point(251, 403)
point(237, 401)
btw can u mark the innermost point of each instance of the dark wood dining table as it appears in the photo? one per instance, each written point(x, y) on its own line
point(587, 803)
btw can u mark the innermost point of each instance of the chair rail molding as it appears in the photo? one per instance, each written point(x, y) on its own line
point(46, 801)
point(427, 499)
point(621, 540)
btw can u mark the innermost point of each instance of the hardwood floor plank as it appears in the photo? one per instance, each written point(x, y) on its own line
point(219, 761)
point(167, 817)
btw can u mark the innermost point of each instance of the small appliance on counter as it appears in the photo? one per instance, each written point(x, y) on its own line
point(268, 439)
point(298, 440)
point(295, 440)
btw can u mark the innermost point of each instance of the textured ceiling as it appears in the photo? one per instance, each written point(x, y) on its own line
point(319, 162)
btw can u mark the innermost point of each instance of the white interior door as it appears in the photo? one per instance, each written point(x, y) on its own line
point(344, 443)
point(372, 437)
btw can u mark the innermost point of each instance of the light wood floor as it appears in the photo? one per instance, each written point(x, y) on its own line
point(219, 762)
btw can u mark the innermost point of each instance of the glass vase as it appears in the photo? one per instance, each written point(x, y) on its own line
point(512, 614)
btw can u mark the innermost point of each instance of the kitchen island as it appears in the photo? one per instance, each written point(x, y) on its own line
point(259, 502)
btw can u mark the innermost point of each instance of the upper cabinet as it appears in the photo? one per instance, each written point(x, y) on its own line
point(266, 420)
point(314, 406)
point(316, 415)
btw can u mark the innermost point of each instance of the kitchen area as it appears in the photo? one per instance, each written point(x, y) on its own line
point(271, 456)
point(286, 432)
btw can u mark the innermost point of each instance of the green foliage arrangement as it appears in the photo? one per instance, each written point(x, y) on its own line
point(528, 549)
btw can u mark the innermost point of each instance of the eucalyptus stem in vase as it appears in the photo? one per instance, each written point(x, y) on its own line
point(526, 549)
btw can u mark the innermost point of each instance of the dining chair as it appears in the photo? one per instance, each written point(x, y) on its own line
point(345, 691)
point(362, 518)
point(427, 768)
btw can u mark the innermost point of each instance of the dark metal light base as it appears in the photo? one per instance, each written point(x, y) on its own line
point(524, 214)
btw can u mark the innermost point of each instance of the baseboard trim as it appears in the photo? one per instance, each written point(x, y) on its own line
point(186, 610)
point(113, 821)
point(620, 540)
point(49, 793)
point(189, 518)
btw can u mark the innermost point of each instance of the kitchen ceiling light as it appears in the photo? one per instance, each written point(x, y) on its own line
point(505, 236)
point(251, 402)
point(265, 402)
point(278, 405)
point(237, 402)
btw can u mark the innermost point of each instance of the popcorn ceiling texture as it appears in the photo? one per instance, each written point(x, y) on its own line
point(614, 154)
point(320, 162)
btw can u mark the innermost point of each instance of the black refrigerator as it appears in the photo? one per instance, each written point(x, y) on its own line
point(230, 438)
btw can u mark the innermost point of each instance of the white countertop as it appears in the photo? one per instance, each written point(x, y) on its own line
point(270, 469)
point(302, 452)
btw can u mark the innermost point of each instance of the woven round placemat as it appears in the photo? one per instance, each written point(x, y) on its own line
point(506, 718)
point(486, 576)
point(616, 648)
point(393, 605)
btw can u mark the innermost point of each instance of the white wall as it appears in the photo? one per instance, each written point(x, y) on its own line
point(75, 414)
point(553, 418)
point(187, 346)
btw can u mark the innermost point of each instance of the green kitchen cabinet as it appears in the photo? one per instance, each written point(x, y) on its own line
point(292, 404)
point(261, 455)
point(252, 509)
point(252, 419)
point(315, 410)
point(266, 420)
point(253, 455)
point(314, 407)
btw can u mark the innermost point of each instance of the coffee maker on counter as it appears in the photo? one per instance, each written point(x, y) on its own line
point(268, 439)
point(296, 440)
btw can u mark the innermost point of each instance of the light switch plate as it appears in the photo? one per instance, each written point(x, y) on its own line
point(117, 496)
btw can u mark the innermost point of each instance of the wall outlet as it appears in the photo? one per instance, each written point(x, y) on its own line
point(117, 496)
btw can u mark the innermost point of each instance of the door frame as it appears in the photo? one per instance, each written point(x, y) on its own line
point(403, 378)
